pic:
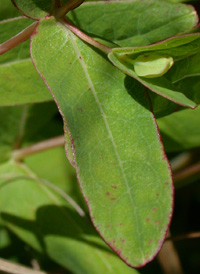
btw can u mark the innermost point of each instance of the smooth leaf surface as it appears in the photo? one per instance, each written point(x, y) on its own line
point(115, 143)
point(134, 23)
point(35, 9)
point(19, 83)
point(180, 131)
point(50, 224)
point(160, 85)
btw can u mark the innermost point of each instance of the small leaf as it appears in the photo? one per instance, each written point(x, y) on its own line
point(116, 146)
point(151, 65)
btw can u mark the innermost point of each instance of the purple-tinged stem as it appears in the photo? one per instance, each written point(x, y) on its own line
point(20, 154)
point(87, 38)
point(70, 5)
point(191, 235)
point(17, 39)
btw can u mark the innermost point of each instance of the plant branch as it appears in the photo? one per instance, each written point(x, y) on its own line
point(20, 154)
point(70, 5)
point(169, 259)
point(86, 38)
point(180, 161)
point(8, 267)
point(17, 39)
point(187, 173)
point(190, 235)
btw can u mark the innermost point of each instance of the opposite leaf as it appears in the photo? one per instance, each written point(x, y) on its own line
point(121, 167)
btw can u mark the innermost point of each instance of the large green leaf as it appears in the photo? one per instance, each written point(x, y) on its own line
point(161, 85)
point(181, 131)
point(50, 224)
point(134, 23)
point(123, 173)
point(19, 83)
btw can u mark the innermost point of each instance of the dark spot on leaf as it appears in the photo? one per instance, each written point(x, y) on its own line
point(150, 241)
point(120, 224)
point(80, 110)
point(148, 219)
point(70, 63)
point(123, 240)
point(157, 194)
point(154, 209)
point(115, 187)
point(166, 183)
point(89, 88)
point(113, 199)
point(107, 193)
point(157, 222)
point(80, 57)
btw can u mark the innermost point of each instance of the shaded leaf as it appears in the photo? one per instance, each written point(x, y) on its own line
point(7, 10)
point(114, 139)
point(181, 131)
point(134, 23)
point(50, 224)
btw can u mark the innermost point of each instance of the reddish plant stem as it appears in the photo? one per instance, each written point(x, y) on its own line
point(17, 39)
point(20, 154)
point(190, 235)
point(187, 173)
point(86, 38)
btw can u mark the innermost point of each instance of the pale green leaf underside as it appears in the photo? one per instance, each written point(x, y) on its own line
point(19, 82)
point(124, 177)
point(50, 224)
point(160, 85)
point(134, 23)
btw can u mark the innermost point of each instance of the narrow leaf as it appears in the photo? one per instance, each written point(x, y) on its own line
point(120, 164)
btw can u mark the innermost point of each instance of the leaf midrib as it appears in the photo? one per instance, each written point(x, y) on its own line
point(84, 67)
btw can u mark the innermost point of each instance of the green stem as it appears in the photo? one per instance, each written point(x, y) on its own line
point(20, 154)
point(17, 39)
point(86, 38)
